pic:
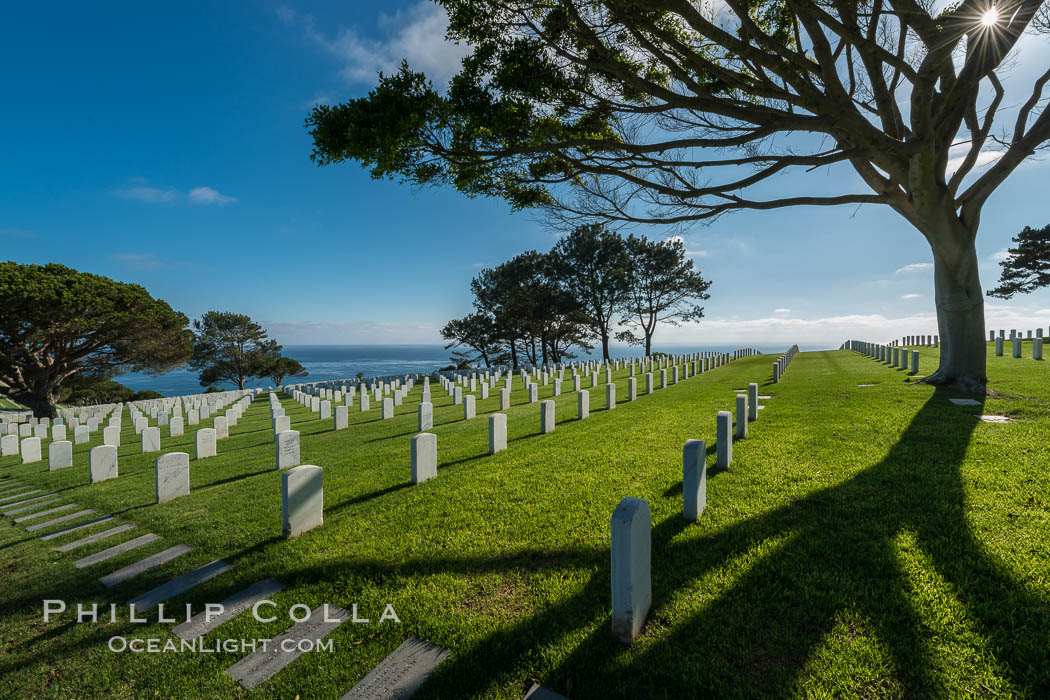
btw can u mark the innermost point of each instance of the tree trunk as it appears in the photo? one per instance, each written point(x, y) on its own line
point(960, 318)
point(648, 344)
point(41, 400)
point(605, 345)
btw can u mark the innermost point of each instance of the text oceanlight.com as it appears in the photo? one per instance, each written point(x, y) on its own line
point(227, 646)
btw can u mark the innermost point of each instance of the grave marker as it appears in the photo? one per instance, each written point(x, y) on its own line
point(302, 499)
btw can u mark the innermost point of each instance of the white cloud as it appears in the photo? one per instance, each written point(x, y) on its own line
point(207, 195)
point(781, 311)
point(141, 190)
point(696, 253)
point(983, 158)
point(139, 261)
point(1001, 255)
point(914, 267)
point(416, 34)
point(911, 296)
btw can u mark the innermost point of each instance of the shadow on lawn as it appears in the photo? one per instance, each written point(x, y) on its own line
point(834, 561)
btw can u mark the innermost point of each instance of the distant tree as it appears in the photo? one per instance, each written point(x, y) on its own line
point(229, 347)
point(360, 375)
point(1028, 266)
point(89, 390)
point(280, 367)
point(591, 265)
point(56, 323)
point(663, 287)
point(531, 313)
point(462, 361)
point(146, 395)
point(213, 390)
point(272, 364)
point(478, 333)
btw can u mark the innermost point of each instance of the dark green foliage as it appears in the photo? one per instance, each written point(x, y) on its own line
point(56, 322)
point(276, 366)
point(591, 265)
point(88, 390)
point(229, 347)
point(662, 287)
point(1028, 266)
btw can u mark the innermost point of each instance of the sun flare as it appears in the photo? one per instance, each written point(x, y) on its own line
point(990, 17)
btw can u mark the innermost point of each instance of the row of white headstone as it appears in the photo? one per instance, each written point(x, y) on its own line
point(887, 354)
point(781, 365)
point(631, 524)
point(1016, 342)
point(1014, 333)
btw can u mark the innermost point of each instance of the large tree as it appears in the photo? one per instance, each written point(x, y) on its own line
point(672, 111)
point(662, 287)
point(591, 265)
point(229, 347)
point(1027, 265)
point(57, 323)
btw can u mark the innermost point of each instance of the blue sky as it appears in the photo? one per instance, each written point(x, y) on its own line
point(164, 144)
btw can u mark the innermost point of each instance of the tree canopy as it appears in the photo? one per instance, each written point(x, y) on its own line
point(57, 323)
point(228, 347)
point(662, 287)
point(670, 111)
point(276, 366)
point(1027, 265)
point(542, 306)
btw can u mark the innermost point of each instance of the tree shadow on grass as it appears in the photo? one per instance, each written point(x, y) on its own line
point(830, 559)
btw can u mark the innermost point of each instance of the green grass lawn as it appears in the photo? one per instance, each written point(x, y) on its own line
point(866, 542)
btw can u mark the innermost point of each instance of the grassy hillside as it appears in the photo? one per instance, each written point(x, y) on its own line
point(870, 541)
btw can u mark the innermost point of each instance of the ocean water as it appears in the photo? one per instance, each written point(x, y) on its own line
point(327, 362)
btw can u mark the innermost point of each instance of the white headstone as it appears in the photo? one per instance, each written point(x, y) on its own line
point(469, 407)
point(424, 457)
point(172, 473)
point(151, 439)
point(59, 455)
point(302, 499)
point(204, 441)
point(111, 436)
point(342, 418)
point(425, 414)
point(694, 478)
point(547, 416)
point(741, 416)
point(287, 442)
point(583, 404)
point(103, 463)
point(497, 433)
point(631, 555)
point(8, 445)
point(30, 448)
point(724, 438)
point(175, 426)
